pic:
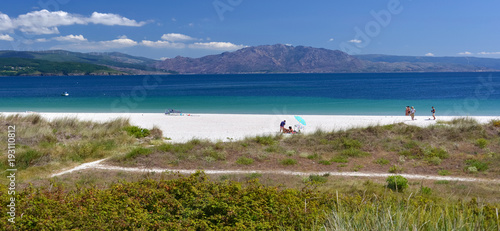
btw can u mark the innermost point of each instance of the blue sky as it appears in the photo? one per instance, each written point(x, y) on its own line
point(168, 28)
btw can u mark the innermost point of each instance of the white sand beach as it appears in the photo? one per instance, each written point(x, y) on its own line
point(226, 127)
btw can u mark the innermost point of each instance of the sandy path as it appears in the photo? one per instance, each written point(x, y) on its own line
point(98, 165)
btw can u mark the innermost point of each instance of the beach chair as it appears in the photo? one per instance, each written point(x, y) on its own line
point(299, 127)
point(172, 112)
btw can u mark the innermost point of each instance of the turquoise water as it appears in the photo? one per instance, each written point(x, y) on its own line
point(328, 94)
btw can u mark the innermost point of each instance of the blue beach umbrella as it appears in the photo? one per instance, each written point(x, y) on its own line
point(302, 121)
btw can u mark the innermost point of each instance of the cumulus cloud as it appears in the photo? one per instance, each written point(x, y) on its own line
point(47, 22)
point(488, 53)
point(113, 20)
point(216, 46)
point(465, 53)
point(5, 22)
point(429, 54)
point(173, 37)
point(70, 38)
point(355, 41)
point(121, 42)
point(6, 37)
point(162, 44)
point(330, 40)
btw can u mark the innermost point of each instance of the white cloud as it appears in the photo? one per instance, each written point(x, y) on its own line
point(173, 37)
point(113, 20)
point(465, 53)
point(6, 37)
point(5, 23)
point(162, 44)
point(41, 40)
point(488, 53)
point(70, 38)
point(355, 41)
point(164, 58)
point(216, 46)
point(429, 54)
point(47, 22)
point(121, 42)
point(330, 40)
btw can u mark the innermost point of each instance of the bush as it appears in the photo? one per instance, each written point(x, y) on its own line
point(156, 133)
point(317, 179)
point(382, 161)
point(353, 152)
point(27, 158)
point(434, 160)
point(481, 143)
point(495, 123)
point(340, 159)
point(140, 151)
point(444, 172)
point(479, 165)
point(137, 132)
point(351, 143)
point(395, 169)
point(244, 161)
point(289, 162)
point(265, 140)
point(426, 190)
point(397, 183)
point(324, 162)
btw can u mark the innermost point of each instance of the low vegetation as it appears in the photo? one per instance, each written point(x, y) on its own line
point(115, 200)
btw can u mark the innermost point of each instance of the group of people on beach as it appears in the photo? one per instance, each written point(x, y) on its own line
point(286, 130)
point(410, 111)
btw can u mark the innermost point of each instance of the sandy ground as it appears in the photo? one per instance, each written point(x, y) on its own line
point(224, 127)
point(98, 165)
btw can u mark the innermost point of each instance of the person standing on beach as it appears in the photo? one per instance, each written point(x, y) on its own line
point(407, 112)
point(282, 126)
point(412, 113)
point(433, 112)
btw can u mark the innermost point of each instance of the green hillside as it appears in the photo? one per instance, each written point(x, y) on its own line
point(27, 66)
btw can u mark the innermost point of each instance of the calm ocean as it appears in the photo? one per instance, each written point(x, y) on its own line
point(330, 94)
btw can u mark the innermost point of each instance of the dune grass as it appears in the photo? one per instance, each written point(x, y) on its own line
point(44, 146)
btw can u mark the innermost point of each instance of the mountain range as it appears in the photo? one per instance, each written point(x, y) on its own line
point(277, 58)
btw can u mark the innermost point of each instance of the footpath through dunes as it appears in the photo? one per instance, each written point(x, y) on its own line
point(98, 165)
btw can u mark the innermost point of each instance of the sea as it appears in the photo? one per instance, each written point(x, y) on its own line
point(452, 94)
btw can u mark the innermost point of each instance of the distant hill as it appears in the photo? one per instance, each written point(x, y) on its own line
point(281, 58)
point(277, 58)
point(27, 66)
point(268, 59)
point(127, 64)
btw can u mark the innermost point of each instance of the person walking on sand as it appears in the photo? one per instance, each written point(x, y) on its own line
point(407, 112)
point(282, 126)
point(412, 113)
point(433, 112)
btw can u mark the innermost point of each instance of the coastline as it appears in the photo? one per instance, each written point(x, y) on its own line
point(230, 127)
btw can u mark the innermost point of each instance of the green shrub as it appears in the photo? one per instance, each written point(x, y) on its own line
point(353, 152)
point(397, 183)
point(136, 152)
point(479, 165)
point(444, 172)
point(495, 123)
point(217, 155)
point(434, 160)
point(442, 182)
point(265, 140)
point(426, 190)
point(324, 162)
point(472, 169)
point(244, 161)
point(340, 159)
point(351, 143)
point(137, 132)
point(289, 162)
point(358, 167)
point(27, 158)
point(481, 143)
point(317, 179)
point(382, 161)
point(436, 152)
point(395, 169)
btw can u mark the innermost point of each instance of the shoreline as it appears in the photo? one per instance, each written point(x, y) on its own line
point(231, 127)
